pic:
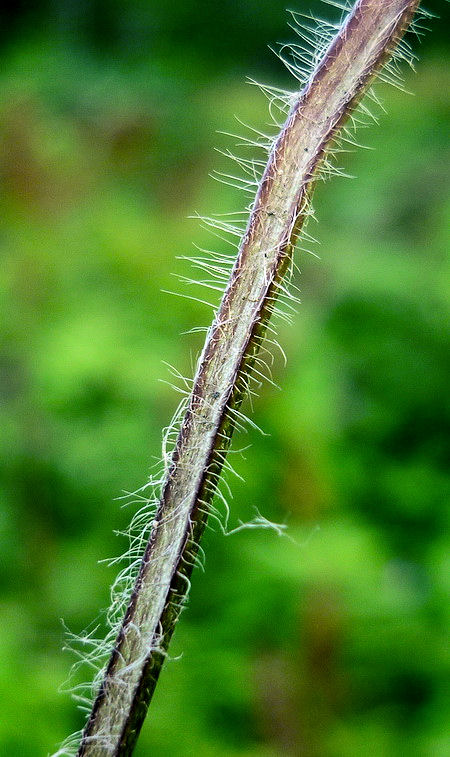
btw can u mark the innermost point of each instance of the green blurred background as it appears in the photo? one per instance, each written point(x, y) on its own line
point(330, 643)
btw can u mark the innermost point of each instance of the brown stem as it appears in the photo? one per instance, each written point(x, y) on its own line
point(281, 206)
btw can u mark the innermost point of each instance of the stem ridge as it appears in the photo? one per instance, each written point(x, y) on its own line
point(359, 49)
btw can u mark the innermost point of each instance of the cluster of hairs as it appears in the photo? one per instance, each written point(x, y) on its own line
point(313, 37)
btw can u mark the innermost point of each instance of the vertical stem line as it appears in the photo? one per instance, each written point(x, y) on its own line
point(347, 68)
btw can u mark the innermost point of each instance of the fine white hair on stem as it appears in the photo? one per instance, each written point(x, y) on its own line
point(333, 65)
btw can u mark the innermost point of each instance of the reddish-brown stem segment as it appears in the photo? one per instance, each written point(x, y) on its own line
point(359, 49)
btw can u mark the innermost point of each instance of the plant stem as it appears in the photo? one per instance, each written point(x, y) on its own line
point(281, 206)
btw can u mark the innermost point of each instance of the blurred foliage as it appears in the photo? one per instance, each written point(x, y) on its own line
point(328, 643)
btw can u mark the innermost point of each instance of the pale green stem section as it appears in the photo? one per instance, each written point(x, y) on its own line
point(346, 70)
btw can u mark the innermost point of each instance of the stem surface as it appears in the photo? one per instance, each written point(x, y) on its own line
point(347, 68)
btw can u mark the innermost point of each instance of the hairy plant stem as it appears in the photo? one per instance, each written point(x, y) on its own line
point(281, 206)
